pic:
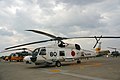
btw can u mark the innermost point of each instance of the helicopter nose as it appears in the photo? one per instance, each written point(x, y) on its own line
point(33, 59)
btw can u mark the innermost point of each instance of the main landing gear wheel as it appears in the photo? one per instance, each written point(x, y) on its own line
point(78, 61)
point(58, 64)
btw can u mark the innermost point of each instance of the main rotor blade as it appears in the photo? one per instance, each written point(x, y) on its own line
point(16, 49)
point(44, 33)
point(49, 35)
point(29, 44)
point(62, 38)
point(94, 37)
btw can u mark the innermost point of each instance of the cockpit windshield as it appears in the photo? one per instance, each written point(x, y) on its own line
point(35, 52)
point(77, 47)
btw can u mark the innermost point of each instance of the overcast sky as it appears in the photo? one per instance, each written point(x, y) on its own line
point(66, 18)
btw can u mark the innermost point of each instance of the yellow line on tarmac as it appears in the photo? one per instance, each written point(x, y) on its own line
point(55, 70)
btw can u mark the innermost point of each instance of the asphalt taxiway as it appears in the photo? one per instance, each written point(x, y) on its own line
point(101, 68)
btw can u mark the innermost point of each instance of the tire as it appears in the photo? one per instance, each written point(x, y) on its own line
point(58, 64)
point(27, 62)
point(17, 60)
point(78, 61)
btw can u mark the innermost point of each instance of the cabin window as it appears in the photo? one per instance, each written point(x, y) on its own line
point(14, 55)
point(62, 53)
point(43, 52)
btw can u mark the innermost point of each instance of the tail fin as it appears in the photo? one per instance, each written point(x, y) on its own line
point(98, 48)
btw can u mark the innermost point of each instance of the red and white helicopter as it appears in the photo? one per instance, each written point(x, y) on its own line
point(58, 52)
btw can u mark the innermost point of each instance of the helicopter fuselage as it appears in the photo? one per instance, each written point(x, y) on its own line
point(55, 54)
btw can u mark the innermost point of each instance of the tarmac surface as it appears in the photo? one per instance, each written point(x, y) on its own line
point(101, 68)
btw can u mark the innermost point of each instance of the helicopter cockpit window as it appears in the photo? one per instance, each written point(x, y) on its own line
point(77, 46)
point(62, 53)
point(42, 52)
point(35, 52)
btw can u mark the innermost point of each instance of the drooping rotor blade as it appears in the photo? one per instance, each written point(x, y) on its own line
point(16, 49)
point(29, 44)
point(21, 49)
point(44, 33)
point(62, 38)
point(94, 37)
point(59, 39)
